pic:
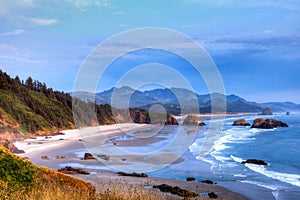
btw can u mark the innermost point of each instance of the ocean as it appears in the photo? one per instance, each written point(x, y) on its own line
point(279, 147)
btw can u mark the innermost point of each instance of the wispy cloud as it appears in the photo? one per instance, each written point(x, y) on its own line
point(8, 47)
point(88, 3)
point(14, 32)
point(118, 13)
point(283, 47)
point(39, 21)
point(284, 4)
point(19, 59)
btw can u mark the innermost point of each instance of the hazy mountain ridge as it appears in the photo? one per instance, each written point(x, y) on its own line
point(167, 97)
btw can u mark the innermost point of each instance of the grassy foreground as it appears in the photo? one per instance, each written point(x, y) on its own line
point(20, 179)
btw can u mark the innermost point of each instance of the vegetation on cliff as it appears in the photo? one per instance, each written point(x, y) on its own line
point(20, 179)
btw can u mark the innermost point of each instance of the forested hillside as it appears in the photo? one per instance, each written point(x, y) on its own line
point(30, 107)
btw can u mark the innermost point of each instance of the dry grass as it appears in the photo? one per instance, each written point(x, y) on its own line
point(110, 191)
point(117, 191)
point(22, 180)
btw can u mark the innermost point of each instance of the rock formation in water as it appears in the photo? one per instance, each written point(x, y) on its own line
point(267, 111)
point(241, 122)
point(267, 124)
point(255, 161)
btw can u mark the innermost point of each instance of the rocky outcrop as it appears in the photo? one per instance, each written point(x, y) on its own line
point(71, 170)
point(134, 174)
point(88, 156)
point(175, 190)
point(267, 111)
point(60, 157)
point(212, 195)
point(241, 122)
point(208, 182)
point(267, 124)
point(190, 179)
point(171, 120)
point(45, 158)
point(255, 161)
point(193, 120)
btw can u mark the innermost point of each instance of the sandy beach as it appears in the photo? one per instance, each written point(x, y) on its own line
point(68, 149)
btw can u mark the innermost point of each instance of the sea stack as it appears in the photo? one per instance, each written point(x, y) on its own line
point(241, 122)
point(193, 120)
point(267, 111)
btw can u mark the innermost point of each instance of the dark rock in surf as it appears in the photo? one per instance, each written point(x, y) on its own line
point(255, 161)
point(267, 124)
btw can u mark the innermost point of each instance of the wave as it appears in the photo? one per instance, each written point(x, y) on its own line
point(236, 159)
point(293, 179)
point(274, 188)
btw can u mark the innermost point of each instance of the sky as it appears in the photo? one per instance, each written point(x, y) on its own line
point(254, 44)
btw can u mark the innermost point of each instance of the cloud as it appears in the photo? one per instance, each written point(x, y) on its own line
point(20, 59)
point(88, 3)
point(284, 47)
point(14, 32)
point(8, 47)
point(283, 4)
point(118, 13)
point(40, 21)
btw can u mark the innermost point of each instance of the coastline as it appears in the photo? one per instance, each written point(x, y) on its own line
point(70, 145)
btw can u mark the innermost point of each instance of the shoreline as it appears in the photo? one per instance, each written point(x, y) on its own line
point(71, 145)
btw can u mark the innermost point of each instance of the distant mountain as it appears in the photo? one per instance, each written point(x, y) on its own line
point(282, 106)
point(169, 98)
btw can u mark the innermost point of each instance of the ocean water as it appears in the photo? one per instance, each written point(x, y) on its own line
point(279, 147)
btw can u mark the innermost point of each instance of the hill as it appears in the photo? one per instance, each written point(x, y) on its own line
point(31, 108)
point(20, 179)
point(169, 98)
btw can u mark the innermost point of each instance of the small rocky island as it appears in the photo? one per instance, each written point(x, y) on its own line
point(267, 111)
point(261, 123)
point(255, 161)
point(267, 124)
point(241, 122)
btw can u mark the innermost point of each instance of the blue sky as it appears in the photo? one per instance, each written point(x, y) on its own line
point(255, 44)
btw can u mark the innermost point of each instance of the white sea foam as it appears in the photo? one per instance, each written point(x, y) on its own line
point(274, 188)
point(293, 179)
point(269, 186)
point(236, 159)
point(240, 175)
